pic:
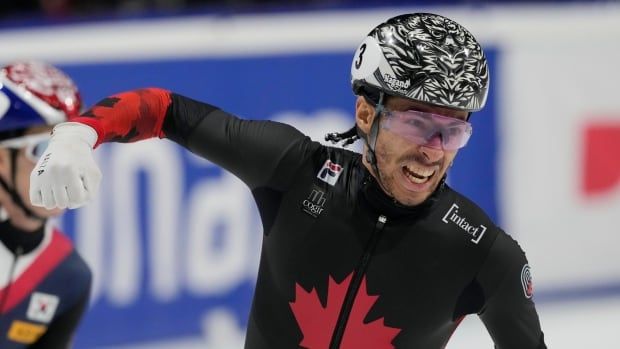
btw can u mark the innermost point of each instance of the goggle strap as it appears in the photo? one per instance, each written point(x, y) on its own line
point(371, 157)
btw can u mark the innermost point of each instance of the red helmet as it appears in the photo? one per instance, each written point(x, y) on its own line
point(35, 94)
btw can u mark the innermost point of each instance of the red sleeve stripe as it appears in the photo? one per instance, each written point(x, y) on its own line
point(58, 249)
point(129, 116)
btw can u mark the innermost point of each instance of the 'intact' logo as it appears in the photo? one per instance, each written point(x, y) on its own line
point(453, 216)
point(330, 172)
point(313, 205)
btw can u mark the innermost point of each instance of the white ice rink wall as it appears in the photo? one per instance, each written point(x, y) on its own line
point(188, 237)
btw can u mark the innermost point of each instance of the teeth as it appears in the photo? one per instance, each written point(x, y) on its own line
point(420, 171)
point(415, 179)
point(418, 174)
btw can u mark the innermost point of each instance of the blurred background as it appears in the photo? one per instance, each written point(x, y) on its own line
point(174, 242)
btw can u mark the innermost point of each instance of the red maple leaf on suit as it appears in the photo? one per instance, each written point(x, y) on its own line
point(317, 322)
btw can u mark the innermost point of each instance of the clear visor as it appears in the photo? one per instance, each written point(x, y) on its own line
point(431, 130)
point(34, 145)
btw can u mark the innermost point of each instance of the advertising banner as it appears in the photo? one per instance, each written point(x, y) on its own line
point(561, 162)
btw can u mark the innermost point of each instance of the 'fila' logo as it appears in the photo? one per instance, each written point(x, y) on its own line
point(330, 172)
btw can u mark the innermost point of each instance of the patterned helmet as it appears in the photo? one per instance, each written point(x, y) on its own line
point(424, 57)
point(35, 94)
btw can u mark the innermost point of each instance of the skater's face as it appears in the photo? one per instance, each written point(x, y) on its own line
point(416, 144)
point(26, 150)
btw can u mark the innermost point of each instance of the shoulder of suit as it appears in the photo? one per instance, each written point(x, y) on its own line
point(458, 211)
point(332, 165)
point(336, 154)
point(74, 266)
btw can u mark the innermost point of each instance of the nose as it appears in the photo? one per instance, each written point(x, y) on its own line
point(432, 154)
point(432, 150)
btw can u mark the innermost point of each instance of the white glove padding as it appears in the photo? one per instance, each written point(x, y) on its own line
point(66, 175)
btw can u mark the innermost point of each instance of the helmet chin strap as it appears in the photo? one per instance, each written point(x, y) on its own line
point(371, 141)
point(13, 192)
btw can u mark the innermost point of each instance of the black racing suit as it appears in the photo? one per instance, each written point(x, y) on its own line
point(342, 265)
point(44, 289)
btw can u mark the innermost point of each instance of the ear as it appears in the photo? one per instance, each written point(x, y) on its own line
point(364, 114)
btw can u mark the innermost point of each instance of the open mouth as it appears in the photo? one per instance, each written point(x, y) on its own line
point(417, 175)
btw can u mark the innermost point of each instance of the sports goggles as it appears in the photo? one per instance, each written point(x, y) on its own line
point(34, 145)
point(421, 128)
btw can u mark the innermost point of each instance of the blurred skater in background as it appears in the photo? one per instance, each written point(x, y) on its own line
point(44, 283)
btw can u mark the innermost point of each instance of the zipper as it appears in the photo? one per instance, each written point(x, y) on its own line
point(18, 252)
point(358, 274)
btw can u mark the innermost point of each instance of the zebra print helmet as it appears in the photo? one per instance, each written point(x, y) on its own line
point(424, 57)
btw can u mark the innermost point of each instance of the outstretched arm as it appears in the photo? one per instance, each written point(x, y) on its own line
point(261, 153)
point(251, 150)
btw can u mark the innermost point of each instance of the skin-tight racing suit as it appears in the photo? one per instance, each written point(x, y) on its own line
point(44, 288)
point(342, 265)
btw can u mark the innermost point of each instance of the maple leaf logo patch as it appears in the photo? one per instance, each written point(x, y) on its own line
point(317, 322)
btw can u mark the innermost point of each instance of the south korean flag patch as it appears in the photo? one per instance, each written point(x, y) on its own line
point(42, 307)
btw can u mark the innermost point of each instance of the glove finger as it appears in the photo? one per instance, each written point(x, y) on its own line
point(35, 190)
point(35, 196)
point(76, 193)
point(91, 180)
point(47, 198)
point(60, 196)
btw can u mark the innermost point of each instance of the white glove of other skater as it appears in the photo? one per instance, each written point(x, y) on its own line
point(66, 175)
